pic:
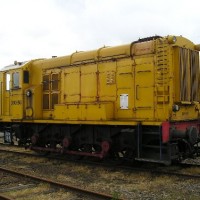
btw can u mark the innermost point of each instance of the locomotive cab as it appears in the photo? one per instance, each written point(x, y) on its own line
point(19, 95)
point(14, 79)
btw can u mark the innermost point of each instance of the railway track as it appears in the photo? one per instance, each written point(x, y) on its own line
point(3, 197)
point(133, 168)
point(11, 184)
point(85, 173)
point(58, 184)
point(14, 187)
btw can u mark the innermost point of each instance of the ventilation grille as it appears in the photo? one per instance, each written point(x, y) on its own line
point(189, 75)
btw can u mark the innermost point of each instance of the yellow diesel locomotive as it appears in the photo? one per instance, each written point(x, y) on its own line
point(138, 101)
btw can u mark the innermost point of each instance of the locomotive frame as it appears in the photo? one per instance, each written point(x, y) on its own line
point(138, 101)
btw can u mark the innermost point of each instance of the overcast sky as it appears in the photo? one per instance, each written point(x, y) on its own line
point(32, 29)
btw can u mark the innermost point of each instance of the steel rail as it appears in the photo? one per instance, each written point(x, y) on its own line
point(59, 184)
point(3, 197)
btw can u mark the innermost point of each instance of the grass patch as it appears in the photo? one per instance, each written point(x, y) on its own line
point(192, 170)
point(25, 192)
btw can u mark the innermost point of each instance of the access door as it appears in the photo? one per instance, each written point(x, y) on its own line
point(144, 91)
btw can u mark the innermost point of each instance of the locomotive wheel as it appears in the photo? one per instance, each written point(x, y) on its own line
point(66, 142)
point(105, 146)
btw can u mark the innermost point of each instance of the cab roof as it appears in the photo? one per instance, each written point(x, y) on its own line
point(16, 65)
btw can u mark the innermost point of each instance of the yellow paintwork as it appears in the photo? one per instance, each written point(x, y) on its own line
point(124, 85)
point(101, 111)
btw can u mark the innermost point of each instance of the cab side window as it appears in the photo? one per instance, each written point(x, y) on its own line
point(16, 80)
